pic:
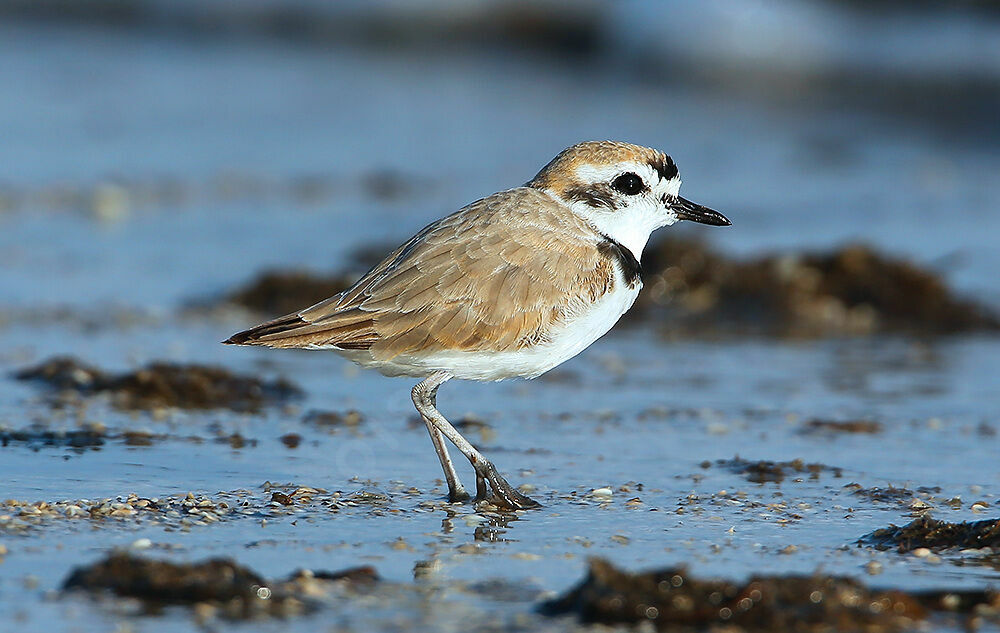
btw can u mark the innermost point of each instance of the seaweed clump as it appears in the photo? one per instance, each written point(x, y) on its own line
point(219, 585)
point(332, 421)
point(37, 437)
point(672, 600)
point(818, 426)
point(936, 535)
point(889, 494)
point(762, 471)
point(163, 385)
point(285, 291)
point(217, 579)
point(853, 290)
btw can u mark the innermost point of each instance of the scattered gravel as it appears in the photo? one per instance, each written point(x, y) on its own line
point(188, 510)
point(173, 512)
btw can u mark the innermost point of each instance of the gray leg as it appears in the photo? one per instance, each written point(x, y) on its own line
point(425, 399)
point(482, 492)
point(421, 398)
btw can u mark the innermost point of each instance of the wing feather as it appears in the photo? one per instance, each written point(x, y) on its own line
point(496, 275)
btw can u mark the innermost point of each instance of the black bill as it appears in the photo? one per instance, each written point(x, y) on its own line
point(687, 210)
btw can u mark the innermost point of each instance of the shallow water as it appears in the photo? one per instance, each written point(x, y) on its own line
point(215, 144)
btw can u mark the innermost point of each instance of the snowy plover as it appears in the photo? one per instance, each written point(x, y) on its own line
point(509, 286)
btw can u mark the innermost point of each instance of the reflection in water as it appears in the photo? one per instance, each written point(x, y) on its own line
point(494, 528)
point(489, 526)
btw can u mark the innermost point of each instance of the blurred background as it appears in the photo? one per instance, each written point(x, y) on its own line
point(172, 171)
point(155, 151)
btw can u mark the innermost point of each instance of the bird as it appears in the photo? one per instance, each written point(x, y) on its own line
point(508, 286)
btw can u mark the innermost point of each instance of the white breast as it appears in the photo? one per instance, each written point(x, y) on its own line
point(578, 333)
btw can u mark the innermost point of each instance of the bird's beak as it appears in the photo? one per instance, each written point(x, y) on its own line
point(687, 210)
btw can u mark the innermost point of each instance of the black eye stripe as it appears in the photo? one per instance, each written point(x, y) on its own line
point(629, 184)
point(597, 196)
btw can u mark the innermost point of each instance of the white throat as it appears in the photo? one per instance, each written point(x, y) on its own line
point(629, 220)
point(631, 230)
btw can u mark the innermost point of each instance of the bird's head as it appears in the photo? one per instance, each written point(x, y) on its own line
point(626, 191)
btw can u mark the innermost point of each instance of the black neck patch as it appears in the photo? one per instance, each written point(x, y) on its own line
point(630, 267)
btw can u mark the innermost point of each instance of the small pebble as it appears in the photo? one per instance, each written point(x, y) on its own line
point(951, 601)
point(401, 545)
point(873, 568)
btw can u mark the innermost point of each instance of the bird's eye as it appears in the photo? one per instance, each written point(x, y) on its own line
point(629, 184)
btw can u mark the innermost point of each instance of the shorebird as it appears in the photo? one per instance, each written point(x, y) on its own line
point(509, 286)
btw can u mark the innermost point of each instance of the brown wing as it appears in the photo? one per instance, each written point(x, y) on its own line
point(495, 275)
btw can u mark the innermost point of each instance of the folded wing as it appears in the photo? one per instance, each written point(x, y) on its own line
point(496, 275)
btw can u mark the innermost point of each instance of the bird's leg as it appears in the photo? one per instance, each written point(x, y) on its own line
point(504, 493)
point(456, 491)
point(422, 399)
point(482, 492)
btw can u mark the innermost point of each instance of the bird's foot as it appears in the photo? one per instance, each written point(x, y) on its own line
point(504, 495)
point(458, 494)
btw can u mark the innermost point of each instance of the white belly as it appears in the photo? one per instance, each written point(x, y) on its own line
point(571, 339)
